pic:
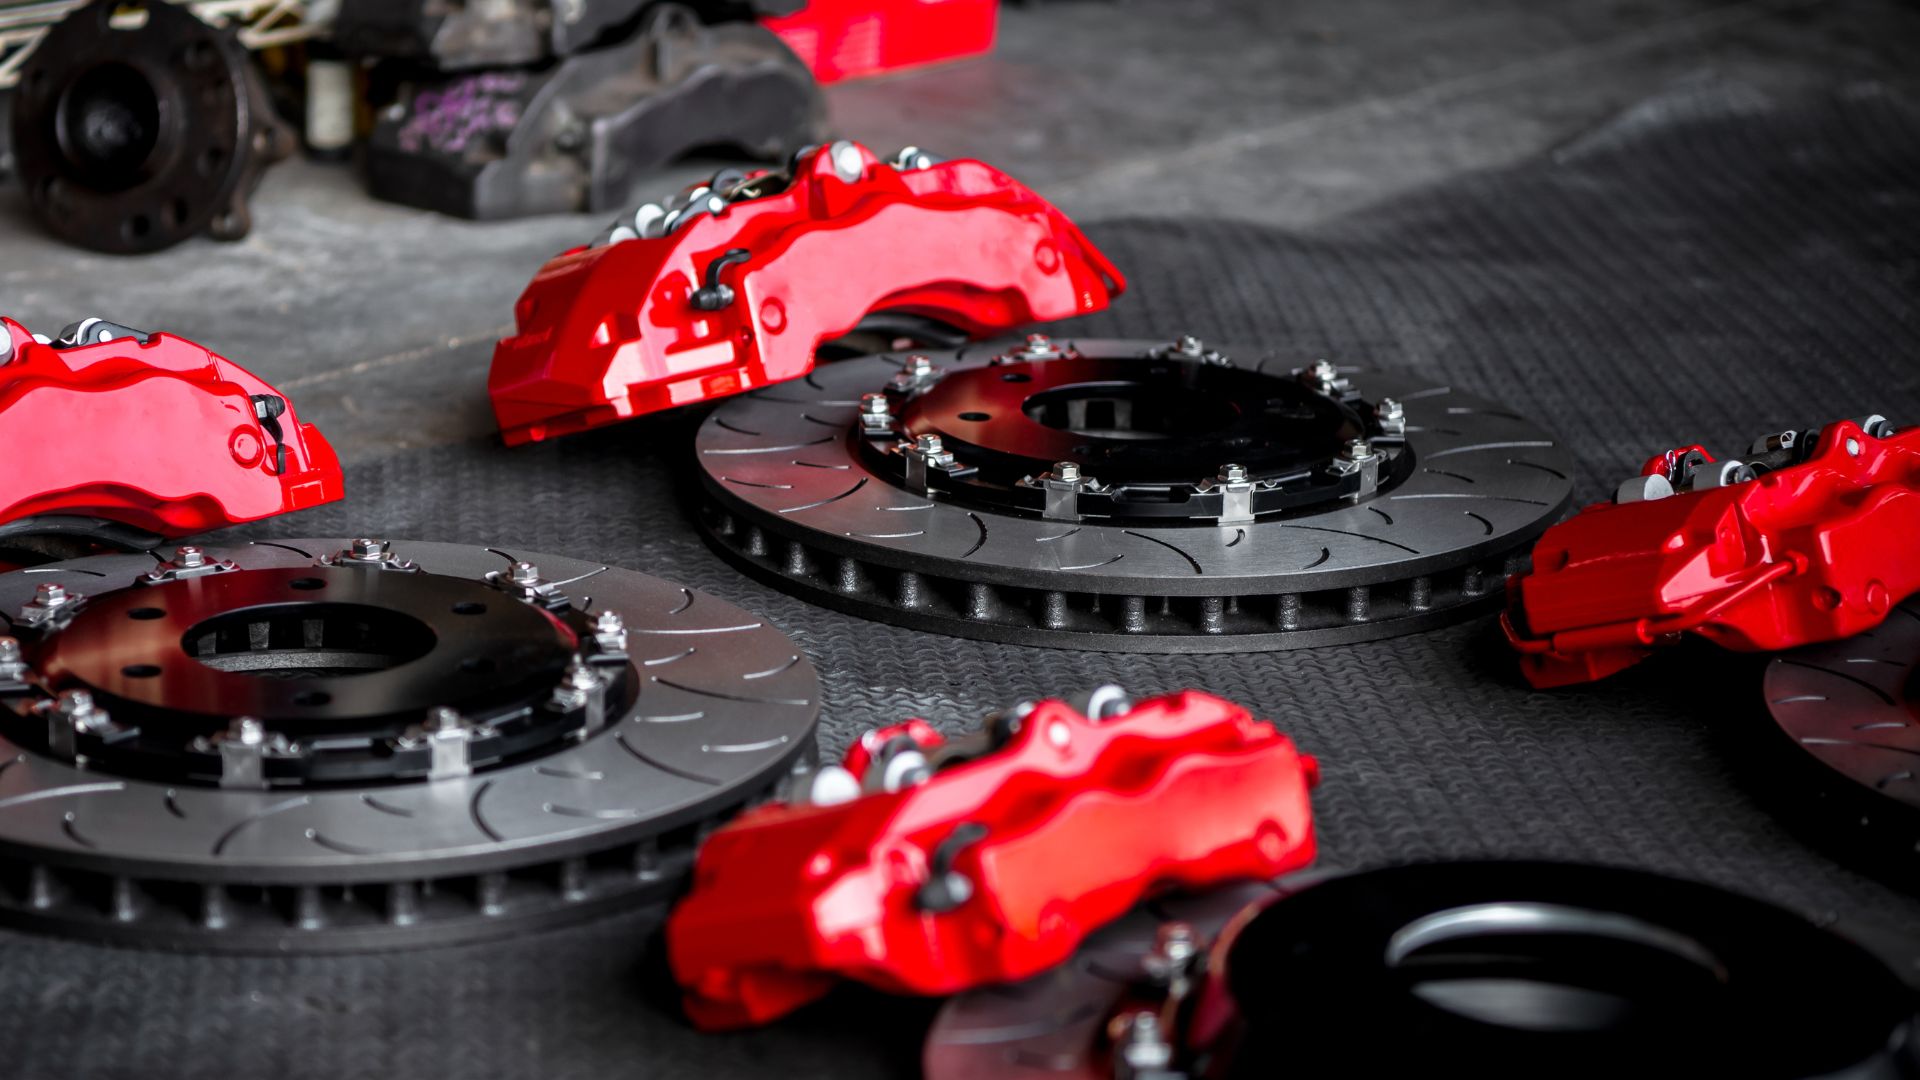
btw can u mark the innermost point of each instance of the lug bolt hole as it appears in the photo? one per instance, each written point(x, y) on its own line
point(469, 607)
point(145, 613)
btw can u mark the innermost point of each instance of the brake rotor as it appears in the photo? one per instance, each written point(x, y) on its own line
point(1499, 969)
point(1128, 495)
point(1849, 709)
point(323, 745)
point(138, 126)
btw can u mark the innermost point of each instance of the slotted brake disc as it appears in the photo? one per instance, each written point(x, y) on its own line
point(1848, 710)
point(1129, 495)
point(331, 745)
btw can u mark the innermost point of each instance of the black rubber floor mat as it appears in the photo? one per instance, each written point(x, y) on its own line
point(1709, 266)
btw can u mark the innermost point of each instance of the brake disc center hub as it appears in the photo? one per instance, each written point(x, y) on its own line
point(1154, 439)
point(341, 665)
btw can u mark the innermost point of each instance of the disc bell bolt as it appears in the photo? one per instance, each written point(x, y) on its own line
point(1066, 471)
point(876, 414)
point(1140, 1046)
point(13, 666)
point(1321, 374)
point(1233, 474)
point(1356, 450)
point(51, 594)
point(918, 366)
point(188, 556)
point(367, 548)
point(525, 573)
point(610, 631)
point(441, 718)
point(1391, 415)
point(247, 731)
point(928, 444)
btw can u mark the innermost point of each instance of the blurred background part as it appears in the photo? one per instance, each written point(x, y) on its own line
point(482, 109)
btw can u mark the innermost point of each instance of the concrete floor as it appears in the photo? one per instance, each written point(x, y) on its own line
point(380, 320)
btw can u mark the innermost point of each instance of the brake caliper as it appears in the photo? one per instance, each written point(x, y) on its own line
point(110, 427)
point(1798, 542)
point(926, 865)
point(733, 284)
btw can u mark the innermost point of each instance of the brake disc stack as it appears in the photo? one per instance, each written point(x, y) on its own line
point(331, 745)
point(1494, 969)
point(1129, 495)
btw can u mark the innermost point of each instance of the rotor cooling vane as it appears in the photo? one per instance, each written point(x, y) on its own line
point(1129, 495)
point(333, 745)
point(1496, 969)
point(1848, 711)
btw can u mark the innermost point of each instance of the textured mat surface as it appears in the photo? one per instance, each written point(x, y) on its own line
point(1709, 266)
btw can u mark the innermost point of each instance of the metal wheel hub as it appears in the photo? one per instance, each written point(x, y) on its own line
point(1129, 495)
point(339, 745)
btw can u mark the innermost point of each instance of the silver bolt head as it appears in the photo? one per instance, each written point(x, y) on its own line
point(1389, 409)
point(1233, 474)
point(247, 731)
point(1189, 344)
point(49, 593)
point(928, 444)
point(366, 547)
point(1355, 449)
point(581, 676)
point(1642, 489)
point(1066, 470)
point(73, 702)
point(189, 555)
point(848, 165)
point(918, 365)
point(1039, 343)
point(525, 573)
point(9, 650)
point(441, 718)
point(875, 404)
point(609, 622)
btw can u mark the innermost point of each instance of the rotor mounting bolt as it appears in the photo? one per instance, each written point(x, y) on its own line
point(581, 676)
point(1321, 372)
point(918, 365)
point(441, 718)
point(1233, 474)
point(9, 650)
point(247, 731)
point(50, 594)
point(928, 444)
point(1143, 1050)
point(525, 573)
point(367, 548)
point(1066, 471)
point(1175, 943)
point(1039, 344)
point(609, 622)
point(188, 555)
point(1355, 449)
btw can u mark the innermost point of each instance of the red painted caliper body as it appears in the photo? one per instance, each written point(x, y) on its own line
point(1815, 551)
point(991, 869)
point(745, 285)
point(158, 435)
